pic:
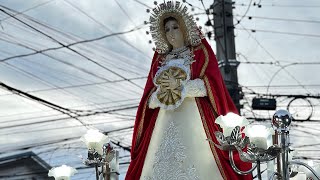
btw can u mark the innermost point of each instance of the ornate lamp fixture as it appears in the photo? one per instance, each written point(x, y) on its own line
point(101, 154)
point(258, 150)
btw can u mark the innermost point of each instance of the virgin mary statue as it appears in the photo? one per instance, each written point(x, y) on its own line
point(183, 96)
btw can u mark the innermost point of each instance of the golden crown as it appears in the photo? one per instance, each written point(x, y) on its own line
point(178, 11)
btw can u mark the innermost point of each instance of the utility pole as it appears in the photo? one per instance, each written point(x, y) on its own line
point(226, 53)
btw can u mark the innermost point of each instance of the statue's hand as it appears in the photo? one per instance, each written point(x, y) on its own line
point(171, 84)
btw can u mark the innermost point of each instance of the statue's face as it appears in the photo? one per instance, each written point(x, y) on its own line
point(174, 34)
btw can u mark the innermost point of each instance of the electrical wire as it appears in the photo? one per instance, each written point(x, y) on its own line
point(77, 68)
point(143, 4)
point(259, 44)
point(60, 32)
point(68, 46)
point(282, 67)
point(76, 86)
point(73, 116)
point(282, 32)
point(277, 63)
point(48, 83)
point(193, 6)
point(18, 119)
point(105, 27)
point(44, 53)
point(283, 86)
point(246, 12)
point(283, 6)
point(124, 12)
point(46, 103)
point(43, 102)
point(28, 9)
point(282, 19)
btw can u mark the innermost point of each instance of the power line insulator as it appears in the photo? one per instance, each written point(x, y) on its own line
point(212, 6)
point(209, 34)
point(208, 23)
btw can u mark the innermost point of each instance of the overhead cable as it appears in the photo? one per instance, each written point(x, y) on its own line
point(68, 46)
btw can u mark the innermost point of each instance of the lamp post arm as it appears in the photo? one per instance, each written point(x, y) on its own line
point(97, 171)
point(234, 167)
point(307, 166)
point(258, 170)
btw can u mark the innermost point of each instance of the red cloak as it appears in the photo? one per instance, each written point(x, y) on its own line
point(217, 102)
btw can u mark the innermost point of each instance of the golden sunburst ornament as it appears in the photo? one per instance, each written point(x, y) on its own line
point(170, 82)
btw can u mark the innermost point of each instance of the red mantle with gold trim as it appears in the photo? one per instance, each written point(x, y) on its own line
point(218, 102)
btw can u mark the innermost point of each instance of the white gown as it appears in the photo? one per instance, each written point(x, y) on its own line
point(178, 148)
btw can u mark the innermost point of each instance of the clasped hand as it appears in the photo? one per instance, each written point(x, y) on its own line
point(192, 88)
point(170, 84)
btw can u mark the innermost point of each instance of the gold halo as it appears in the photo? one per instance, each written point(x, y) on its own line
point(178, 11)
